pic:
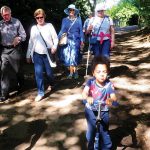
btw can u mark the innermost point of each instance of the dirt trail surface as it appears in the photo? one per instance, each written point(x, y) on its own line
point(58, 123)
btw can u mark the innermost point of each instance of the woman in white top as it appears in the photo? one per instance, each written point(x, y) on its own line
point(43, 38)
point(102, 32)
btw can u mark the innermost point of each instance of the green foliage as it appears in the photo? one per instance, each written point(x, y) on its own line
point(85, 7)
point(127, 8)
point(144, 7)
point(24, 9)
point(123, 11)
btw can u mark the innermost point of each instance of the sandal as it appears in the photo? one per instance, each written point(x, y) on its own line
point(70, 76)
point(76, 76)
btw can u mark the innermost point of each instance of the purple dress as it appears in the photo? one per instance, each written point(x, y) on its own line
point(69, 54)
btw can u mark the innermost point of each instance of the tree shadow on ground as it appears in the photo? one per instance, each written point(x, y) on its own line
point(125, 134)
point(69, 125)
point(124, 130)
point(118, 71)
point(22, 132)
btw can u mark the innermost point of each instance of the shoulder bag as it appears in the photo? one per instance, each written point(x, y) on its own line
point(64, 39)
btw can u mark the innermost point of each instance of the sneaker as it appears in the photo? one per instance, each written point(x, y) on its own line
point(38, 98)
point(49, 88)
point(4, 97)
point(70, 76)
point(76, 76)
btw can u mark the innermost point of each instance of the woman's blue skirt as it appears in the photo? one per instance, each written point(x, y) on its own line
point(70, 54)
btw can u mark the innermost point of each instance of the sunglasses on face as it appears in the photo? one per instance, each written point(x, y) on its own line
point(100, 10)
point(71, 9)
point(39, 18)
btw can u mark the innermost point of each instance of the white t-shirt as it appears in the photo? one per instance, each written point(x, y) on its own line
point(105, 24)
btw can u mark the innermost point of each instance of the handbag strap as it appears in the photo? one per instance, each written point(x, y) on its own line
point(100, 25)
point(42, 37)
point(71, 25)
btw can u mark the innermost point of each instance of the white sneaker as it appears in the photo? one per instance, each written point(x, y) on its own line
point(49, 88)
point(38, 98)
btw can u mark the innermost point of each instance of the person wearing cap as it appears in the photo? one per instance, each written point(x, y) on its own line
point(69, 54)
point(43, 38)
point(12, 35)
point(101, 29)
point(85, 26)
point(86, 22)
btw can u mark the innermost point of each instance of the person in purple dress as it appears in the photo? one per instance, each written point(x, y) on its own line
point(69, 54)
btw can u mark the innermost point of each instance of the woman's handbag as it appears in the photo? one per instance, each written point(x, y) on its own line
point(64, 37)
point(63, 40)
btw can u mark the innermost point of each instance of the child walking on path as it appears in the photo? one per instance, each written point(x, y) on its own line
point(99, 89)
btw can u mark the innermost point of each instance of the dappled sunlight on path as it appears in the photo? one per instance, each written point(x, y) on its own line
point(58, 123)
point(130, 72)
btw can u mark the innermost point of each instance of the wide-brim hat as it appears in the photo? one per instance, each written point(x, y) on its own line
point(71, 6)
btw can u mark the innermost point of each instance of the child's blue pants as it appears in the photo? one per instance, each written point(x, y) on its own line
point(105, 140)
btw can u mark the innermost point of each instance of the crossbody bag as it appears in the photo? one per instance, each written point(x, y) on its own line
point(64, 37)
point(93, 40)
point(52, 56)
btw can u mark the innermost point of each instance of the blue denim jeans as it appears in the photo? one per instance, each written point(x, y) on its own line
point(104, 140)
point(41, 64)
point(101, 49)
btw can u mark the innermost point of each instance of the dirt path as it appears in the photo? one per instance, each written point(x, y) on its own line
point(58, 123)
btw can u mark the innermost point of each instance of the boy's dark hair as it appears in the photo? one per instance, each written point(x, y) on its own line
point(100, 60)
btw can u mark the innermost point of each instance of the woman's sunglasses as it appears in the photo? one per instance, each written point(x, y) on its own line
point(39, 18)
point(71, 9)
point(100, 10)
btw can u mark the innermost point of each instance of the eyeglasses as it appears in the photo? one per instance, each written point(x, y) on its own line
point(71, 9)
point(39, 18)
point(100, 10)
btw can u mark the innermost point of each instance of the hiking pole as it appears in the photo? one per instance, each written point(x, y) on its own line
point(87, 62)
point(98, 122)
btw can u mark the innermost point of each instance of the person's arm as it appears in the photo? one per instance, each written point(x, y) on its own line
point(81, 30)
point(21, 34)
point(89, 26)
point(30, 46)
point(112, 32)
point(85, 26)
point(85, 93)
point(111, 99)
point(54, 39)
point(89, 29)
point(62, 30)
point(112, 96)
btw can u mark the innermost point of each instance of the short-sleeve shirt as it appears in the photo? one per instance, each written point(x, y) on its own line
point(99, 94)
point(102, 23)
point(85, 25)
